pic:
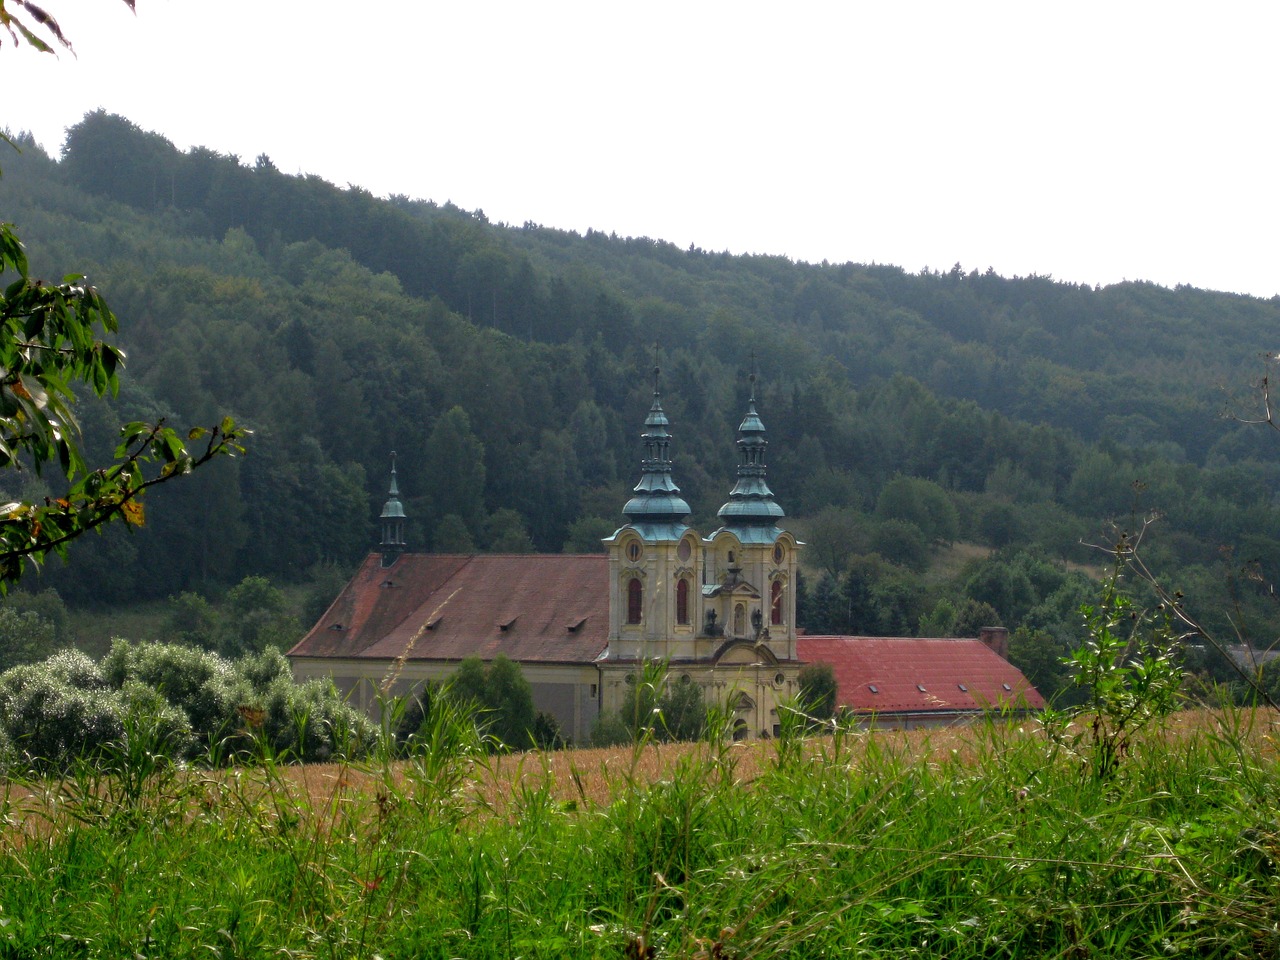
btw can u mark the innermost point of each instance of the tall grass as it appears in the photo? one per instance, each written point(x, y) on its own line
point(998, 842)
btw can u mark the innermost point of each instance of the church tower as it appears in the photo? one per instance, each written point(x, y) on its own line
point(719, 611)
point(393, 518)
point(654, 559)
point(750, 561)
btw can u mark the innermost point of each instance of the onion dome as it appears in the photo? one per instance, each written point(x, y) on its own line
point(751, 512)
point(657, 510)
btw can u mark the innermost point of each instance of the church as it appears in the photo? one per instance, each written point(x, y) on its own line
point(719, 610)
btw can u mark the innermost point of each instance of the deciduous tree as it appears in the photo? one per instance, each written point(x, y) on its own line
point(51, 342)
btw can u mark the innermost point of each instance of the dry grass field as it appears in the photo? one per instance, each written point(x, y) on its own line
point(975, 841)
point(594, 778)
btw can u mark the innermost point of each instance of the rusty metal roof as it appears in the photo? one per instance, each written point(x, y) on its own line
point(551, 608)
point(905, 674)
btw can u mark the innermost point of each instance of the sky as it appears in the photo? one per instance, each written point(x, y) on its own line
point(1092, 142)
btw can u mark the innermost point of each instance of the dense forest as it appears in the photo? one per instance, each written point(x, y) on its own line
point(952, 445)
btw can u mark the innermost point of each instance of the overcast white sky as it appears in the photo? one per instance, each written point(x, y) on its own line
point(1091, 141)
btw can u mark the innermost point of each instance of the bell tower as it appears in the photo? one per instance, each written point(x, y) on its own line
point(393, 518)
point(750, 561)
point(655, 601)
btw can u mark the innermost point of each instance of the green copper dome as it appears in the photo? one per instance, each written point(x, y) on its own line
point(393, 519)
point(657, 511)
point(751, 513)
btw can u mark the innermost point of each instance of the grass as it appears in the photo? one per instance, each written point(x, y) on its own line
point(991, 841)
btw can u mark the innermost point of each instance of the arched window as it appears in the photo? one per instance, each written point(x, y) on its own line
point(775, 603)
point(682, 601)
point(740, 620)
point(635, 597)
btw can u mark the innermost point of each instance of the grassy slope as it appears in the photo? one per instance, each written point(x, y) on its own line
point(989, 842)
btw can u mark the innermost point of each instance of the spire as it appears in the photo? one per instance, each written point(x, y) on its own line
point(657, 510)
point(751, 511)
point(392, 521)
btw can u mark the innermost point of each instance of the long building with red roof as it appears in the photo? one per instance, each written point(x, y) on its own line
point(718, 610)
point(909, 681)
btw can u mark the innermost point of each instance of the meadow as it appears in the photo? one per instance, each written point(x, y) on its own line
point(993, 840)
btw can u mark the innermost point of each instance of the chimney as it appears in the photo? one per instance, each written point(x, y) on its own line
point(997, 639)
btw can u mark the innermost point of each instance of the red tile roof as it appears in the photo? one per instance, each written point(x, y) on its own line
point(554, 608)
point(550, 608)
point(954, 674)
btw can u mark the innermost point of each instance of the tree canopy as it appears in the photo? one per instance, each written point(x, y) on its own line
point(919, 423)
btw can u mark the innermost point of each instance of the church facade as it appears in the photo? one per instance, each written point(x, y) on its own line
point(718, 610)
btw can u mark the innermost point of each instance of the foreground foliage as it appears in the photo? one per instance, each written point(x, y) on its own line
point(995, 842)
point(174, 703)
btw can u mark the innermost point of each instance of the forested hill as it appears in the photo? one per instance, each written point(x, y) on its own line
point(508, 367)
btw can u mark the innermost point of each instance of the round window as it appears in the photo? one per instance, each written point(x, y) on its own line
point(684, 551)
point(779, 680)
point(778, 553)
point(633, 551)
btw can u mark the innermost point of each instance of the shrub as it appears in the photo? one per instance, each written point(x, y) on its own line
point(610, 730)
point(143, 707)
point(50, 721)
point(205, 686)
point(501, 697)
point(311, 722)
point(1129, 666)
point(263, 669)
point(76, 669)
point(818, 690)
point(654, 708)
point(178, 699)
